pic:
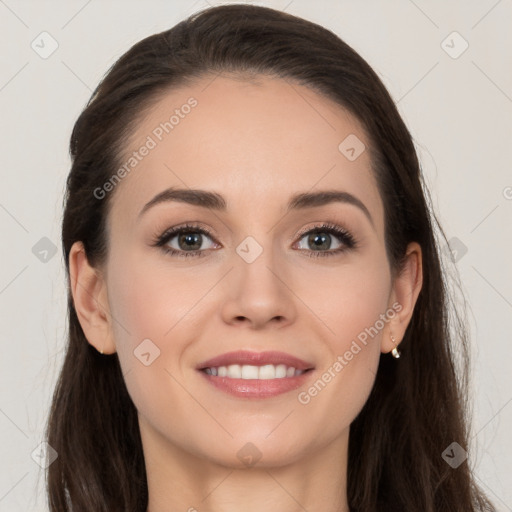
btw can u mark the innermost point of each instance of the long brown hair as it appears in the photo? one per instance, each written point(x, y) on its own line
point(418, 405)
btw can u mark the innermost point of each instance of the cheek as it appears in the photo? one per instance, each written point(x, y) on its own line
point(149, 301)
point(350, 303)
point(349, 299)
point(149, 315)
point(149, 310)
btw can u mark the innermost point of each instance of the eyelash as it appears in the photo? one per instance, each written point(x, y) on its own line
point(345, 237)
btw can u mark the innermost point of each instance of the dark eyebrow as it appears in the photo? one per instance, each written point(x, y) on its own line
point(215, 201)
point(311, 199)
point(195, 197)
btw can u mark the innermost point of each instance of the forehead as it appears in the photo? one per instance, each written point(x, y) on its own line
point(255, 142)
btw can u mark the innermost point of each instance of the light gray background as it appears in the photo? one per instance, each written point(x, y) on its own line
point(459, 111)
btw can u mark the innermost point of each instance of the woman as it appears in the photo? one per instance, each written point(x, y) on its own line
point(257, 312)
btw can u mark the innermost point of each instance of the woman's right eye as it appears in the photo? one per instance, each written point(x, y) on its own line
point(189, 241)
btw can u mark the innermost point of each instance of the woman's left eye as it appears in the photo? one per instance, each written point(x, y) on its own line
point(190, 238)
point(316, 237)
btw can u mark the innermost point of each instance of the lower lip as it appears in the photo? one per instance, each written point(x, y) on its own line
point(255, 388)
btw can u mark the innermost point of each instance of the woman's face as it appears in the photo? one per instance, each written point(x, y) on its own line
point(261, 280)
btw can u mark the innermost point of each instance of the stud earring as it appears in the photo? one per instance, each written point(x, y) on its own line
point(395, 352)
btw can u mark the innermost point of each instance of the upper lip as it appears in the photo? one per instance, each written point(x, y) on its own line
point(242, 357)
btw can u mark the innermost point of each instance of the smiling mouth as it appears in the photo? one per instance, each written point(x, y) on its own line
point(251, 372)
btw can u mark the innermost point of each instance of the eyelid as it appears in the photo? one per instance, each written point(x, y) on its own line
point(170, 233)
point(345, 236)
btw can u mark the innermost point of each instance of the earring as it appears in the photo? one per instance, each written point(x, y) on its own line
point(395, 352)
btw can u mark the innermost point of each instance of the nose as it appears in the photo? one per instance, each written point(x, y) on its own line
point(259, 293)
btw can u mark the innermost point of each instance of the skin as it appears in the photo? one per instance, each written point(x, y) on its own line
point(256, 142)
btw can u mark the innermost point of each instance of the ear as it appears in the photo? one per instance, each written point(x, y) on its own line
point(406, 288)
point(90, 299)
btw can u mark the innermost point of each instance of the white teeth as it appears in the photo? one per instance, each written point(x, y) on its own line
point(280, 371)
point(246, 371)
point(234, 371)
point(267, 371)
